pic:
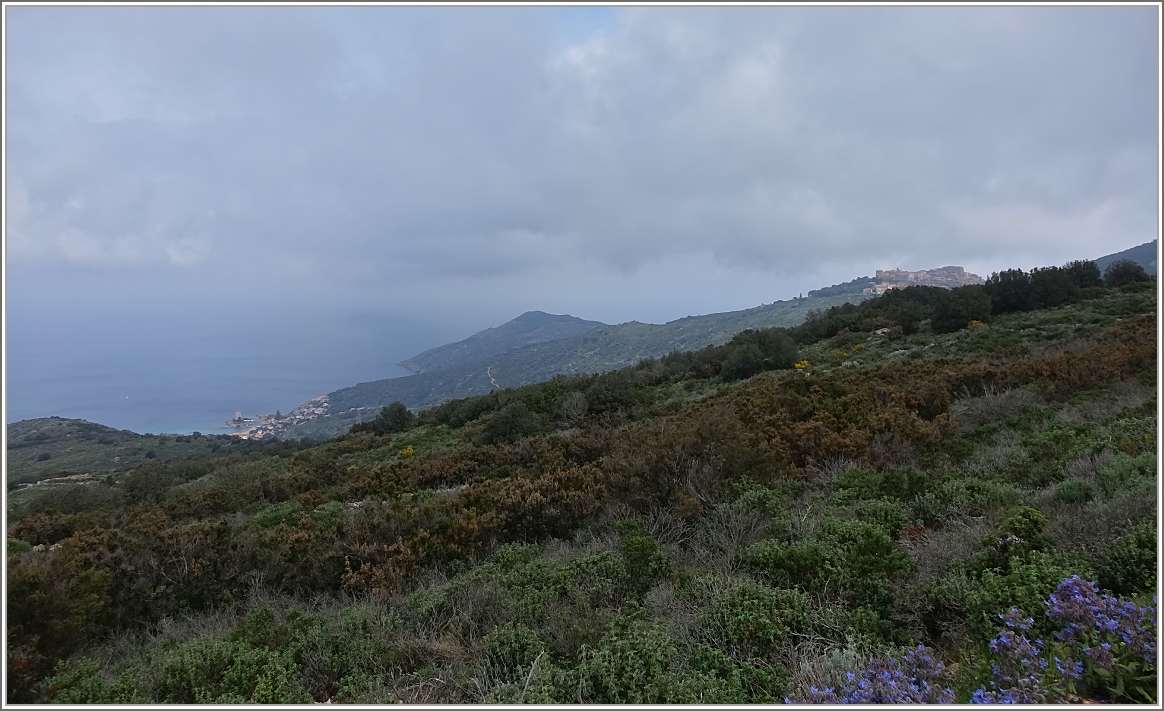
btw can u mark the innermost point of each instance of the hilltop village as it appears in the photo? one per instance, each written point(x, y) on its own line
point(949, 277)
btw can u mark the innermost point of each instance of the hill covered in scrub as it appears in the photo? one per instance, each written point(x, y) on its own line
point(742, 523)
point(459, 370)
point(529, 329)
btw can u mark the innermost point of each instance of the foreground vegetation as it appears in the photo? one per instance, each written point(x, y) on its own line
point(748, 523)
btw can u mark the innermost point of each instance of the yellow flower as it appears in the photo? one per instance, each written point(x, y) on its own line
point(859, 347)
point(976, 324)
point(800, 365)
point(840, 355)
point(407, 452)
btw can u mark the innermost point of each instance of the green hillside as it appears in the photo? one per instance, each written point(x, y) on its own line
point(597, 350)
point(54, 447)
point(531, 328)
point(888, 502)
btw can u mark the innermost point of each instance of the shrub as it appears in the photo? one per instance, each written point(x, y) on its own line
point(1127, 474)
point(1102, 648)
point(756, 620)
point(640, 663)
point(646, 561)
point(82, 683)
point(511, 651)
point(1130, 565)
point(888, 514)
point(888, 680)
point(275, 514)
point(218, 671)
point(1134, 435)
point(1029, 580)
point(1074, 491)
point(509, 424)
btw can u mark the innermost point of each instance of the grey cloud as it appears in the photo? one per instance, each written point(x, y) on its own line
point(368, 150)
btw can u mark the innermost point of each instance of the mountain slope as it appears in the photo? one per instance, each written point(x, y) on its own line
point(530, 328)
point(597, 350)
point(1144, 255)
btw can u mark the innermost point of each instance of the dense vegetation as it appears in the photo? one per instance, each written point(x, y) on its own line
point(740, 524)
point(463, 369)
point(53, 448)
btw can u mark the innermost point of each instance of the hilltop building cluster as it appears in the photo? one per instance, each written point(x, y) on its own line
point(947, 277)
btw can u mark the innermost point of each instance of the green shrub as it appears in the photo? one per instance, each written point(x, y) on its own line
point(329, 514)
point(1074, 491)
point(640, 663)
point(17, 546)
point(1134, 435)
point(889, 514)
point(802, 563)
point(220, 671)
point(646, 561)
point(868, 484)
point(509, 424)
point(510, 652)
point(1029, 580)
point(1127, 474)
point(1130, 564)
point(928, 508)
point(275, 514)
point(755, 620)
point(1025, 531)
point(600, 579)
point(82, 683)
point(978, 497)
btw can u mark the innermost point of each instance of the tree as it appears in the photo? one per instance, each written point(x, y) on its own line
point(1052, 286)
point(1009, 291)
point(1124, 271)
point(395, 417)
point(392, 418)
point(964, 304)
point(571, 409)
point(509, 424)
point(1084, 273)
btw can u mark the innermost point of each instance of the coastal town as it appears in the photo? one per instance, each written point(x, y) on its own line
point(271, 426)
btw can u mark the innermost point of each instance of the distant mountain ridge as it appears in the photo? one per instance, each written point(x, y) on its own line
point(531, 328)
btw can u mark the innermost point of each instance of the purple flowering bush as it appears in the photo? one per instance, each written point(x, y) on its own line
point(1104, 648)
point(890, 681)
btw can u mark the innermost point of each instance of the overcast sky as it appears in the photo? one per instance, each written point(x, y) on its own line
point(441, 170)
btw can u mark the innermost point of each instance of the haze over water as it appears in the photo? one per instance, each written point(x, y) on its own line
point(196, 388)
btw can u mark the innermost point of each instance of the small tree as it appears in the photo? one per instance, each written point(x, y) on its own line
point(964, 304)
point(1052, 286)
point(1009, 291)
point(1124, 271)
point(1084, 273)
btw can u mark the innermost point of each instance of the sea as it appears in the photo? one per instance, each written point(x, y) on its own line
point(176, 391)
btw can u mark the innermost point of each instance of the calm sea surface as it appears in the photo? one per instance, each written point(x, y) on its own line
point(181, 392)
